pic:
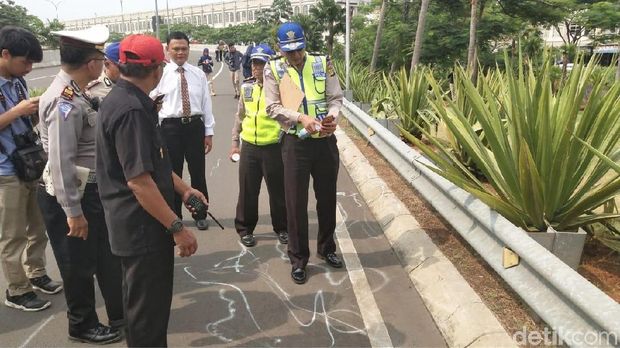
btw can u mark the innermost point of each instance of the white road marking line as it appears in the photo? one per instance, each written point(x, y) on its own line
point(37, 331)
point(41, 77)
point(219, 71)
point(373, 320)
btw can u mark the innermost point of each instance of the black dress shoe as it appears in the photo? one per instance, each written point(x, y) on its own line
point(299, 275)
point(100, 334)
point(248, 240)
point(283, 237)
point(332, 259)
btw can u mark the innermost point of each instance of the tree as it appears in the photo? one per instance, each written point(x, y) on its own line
point(313, 32)
point(419, 34)
point(602, 20)
point(375, 50)
point(473, 27)
point(332, 18)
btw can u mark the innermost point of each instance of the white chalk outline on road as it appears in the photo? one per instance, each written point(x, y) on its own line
point(373, 320)
point(37, 331)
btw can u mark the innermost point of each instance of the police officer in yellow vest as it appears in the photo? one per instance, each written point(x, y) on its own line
point(308, 147)
point(260, 154)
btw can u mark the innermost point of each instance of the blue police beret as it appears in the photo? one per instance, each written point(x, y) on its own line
point(262, 52)
point(111, 52)
point(291, 37)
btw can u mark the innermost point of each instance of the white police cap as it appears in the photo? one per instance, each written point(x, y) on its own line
point(93, 37)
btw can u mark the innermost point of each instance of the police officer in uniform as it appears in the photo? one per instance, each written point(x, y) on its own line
point(74, 215)
point(315, 155)
point(260, 154)
point(100, 87)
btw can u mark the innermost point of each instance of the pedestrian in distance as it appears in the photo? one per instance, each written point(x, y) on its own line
point(137, 187)
point(233, 60)
point(219, 51)
point(186, 116)
point(260, 155)
point(308, 147)
point(206, 63)
point(22, 232)
point(70, 201)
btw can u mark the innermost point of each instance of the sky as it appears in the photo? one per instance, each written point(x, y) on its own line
point(76, 9)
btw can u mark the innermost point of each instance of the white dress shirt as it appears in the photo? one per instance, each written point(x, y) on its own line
point(199, 94)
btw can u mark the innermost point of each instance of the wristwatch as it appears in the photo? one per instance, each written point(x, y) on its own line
point(176, 226)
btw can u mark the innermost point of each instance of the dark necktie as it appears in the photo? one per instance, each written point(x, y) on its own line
point(187, 110)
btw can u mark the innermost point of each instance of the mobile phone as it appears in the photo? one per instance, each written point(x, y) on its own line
point(327, 119)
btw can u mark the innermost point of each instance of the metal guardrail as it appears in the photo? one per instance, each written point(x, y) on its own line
point(578, 312)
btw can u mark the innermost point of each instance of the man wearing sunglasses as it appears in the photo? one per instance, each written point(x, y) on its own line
point(70, 202)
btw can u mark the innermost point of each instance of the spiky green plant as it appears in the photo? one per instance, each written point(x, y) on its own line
point(540, 173)
point(406, 94)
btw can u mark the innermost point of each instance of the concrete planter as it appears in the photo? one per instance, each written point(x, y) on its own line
point(365, 107)
point(567, 246)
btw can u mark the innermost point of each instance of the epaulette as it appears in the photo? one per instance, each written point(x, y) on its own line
point(315, 54)
point(250, 79)
point(67, 93)
point(92, 84)
point(276, 58)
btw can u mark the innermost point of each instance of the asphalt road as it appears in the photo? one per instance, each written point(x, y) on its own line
point(229, 295)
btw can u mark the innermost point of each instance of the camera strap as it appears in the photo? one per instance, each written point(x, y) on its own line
point(21, 95)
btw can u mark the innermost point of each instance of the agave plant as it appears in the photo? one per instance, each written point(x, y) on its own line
point(365, 85)
point(407, 96)
point(540, 173)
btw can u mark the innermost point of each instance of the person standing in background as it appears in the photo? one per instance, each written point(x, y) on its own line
point(186, 116)
point(233, 60)
point(206, 63)
point(102, 86)
point(246, 62)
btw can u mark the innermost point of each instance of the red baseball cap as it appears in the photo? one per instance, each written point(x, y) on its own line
point(147, 48)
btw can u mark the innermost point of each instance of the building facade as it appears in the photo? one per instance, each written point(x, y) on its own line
point(217, 15)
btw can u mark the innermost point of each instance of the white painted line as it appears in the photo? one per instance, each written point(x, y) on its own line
point(41, 77)
point(37, 331)
point(373, 320)
point(219, 71)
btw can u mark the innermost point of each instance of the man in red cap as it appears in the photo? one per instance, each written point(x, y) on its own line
point(137, 188)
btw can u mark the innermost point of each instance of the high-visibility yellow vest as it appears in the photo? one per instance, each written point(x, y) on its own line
point(257, 127)
point(311, 81)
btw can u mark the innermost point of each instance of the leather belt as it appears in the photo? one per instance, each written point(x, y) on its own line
point(183, 119)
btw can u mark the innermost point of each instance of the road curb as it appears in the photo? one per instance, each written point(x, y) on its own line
point(458, 311)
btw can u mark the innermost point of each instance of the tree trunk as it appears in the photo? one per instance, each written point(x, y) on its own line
point(330, 41)
point(473, 27)
point(419, 35)
point(375, 51)
point(618, 70)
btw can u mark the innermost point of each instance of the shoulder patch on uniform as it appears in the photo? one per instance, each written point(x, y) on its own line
point(107, 81)
point(67, 93)
point(64, 109)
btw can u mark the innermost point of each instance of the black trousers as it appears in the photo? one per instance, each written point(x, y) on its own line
point(147, 296)
point(80, 260)
point(185, 142)
point(256, 163)
point(318, 158)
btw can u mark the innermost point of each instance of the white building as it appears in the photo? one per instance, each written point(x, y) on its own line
point(217, 15)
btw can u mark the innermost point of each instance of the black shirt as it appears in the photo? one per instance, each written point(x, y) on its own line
point(129, 143)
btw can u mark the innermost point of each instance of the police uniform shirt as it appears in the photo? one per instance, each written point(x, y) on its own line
point(199, 94)
point(288, 118)
point(129, 143)
point(100, 87)
point(67, 129)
